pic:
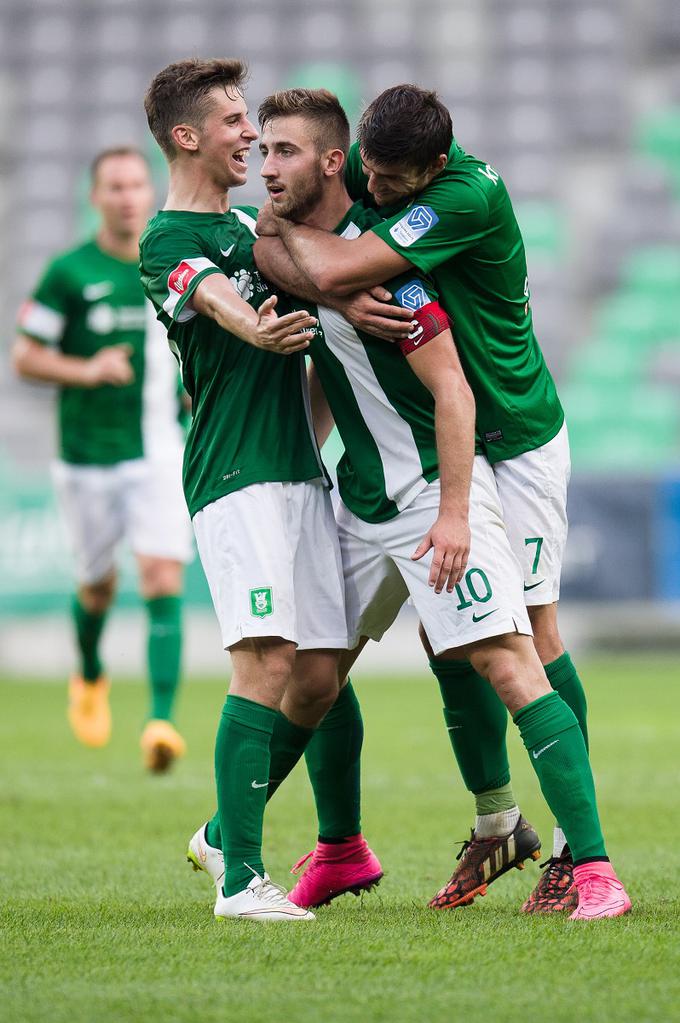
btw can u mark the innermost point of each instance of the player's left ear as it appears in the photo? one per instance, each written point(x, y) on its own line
point(333, 162)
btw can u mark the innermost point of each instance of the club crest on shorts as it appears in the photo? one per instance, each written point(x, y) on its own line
point(261, 602)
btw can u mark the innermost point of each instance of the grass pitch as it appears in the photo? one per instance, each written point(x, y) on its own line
point(103, 920)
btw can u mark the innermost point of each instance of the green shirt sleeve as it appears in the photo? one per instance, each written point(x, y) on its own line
point(43, 317)
point(447, 218)
point(173, 262)
point(356, 181)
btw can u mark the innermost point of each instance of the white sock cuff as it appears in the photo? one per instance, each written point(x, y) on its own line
point(496, 825)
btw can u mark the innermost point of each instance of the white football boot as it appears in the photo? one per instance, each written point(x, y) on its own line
point(206, 857)
point(261, 900)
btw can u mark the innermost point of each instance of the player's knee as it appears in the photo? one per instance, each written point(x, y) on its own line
point(97, 597)
point(160, 577)
point(513, 669)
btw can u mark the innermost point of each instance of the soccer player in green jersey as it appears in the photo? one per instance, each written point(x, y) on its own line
point(448, 213)
point(253, 479)
point(89, 329)
point(495, 640)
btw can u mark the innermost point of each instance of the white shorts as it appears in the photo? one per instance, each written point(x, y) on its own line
point(271, 556)
point(533, 492)
point(379, 573)
point(140, 500)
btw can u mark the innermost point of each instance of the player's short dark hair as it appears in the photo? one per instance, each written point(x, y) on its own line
point(405, 125)
point(319, 106)
point(179, 94)
point(98, 160)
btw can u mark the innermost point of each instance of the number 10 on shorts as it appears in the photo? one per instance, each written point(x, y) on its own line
point(478, 586)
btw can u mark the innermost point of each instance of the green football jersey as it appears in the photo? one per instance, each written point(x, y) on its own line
point(87, 300)
point(384, 414)
point(251, 417)
point(462, 231)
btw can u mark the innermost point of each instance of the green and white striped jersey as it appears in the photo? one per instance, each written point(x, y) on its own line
point(384, 414)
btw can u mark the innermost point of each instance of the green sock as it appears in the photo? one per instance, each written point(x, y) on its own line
point(287, 745)
point(476, 720)
point(164, 652)
point(563, 677)
point(89, 625)
point(289, 742)
point(558, 755)
point(495, 800)
point(334, 764)
point(242, 771)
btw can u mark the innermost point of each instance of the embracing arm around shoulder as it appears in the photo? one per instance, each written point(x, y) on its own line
point(438, 367)
point(369, 310)
point(339, 266)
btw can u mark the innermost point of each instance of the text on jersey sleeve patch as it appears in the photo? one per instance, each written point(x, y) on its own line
point(413, 225)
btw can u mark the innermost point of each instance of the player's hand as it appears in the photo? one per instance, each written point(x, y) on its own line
point(372, 312)
point(282, 334)
point(267, 221)
point(110, 365)
point(450, 539)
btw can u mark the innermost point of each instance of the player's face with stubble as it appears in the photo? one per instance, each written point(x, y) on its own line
point(292, 167)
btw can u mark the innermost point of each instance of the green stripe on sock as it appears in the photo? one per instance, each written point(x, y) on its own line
point(242, 763)
point(564, 679)
point(333, 759)
point(476, 722)
point(164, 652)
point(558, 755)
point(89, 626)
point(495, 800)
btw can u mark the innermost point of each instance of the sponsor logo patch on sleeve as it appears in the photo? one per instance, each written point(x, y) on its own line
point(413, 225)
point(412, 295)
point(180, 277)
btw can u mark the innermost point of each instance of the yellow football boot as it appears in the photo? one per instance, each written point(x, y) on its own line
point(89, 714)
point(161, 745)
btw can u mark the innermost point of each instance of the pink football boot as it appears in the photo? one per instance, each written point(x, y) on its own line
point(336, 868)
point(600, 893)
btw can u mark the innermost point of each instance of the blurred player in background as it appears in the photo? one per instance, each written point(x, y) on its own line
point(507, 371)
point(89, 329)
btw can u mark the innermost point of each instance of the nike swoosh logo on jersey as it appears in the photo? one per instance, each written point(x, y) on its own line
point(92, 292)
point(480, 618)
point(227, 252)
point(536, 754)
point(259, 784)
point(533, 585)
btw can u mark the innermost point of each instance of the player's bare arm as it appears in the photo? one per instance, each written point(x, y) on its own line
point(339, 266)
point(35, 361)
point(215, 297)
point(438, 367)
point(368, 310)
point(322, 417)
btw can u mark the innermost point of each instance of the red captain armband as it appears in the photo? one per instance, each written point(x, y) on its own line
point(431, 320)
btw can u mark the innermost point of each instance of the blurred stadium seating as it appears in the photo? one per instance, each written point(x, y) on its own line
point(575, 102)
